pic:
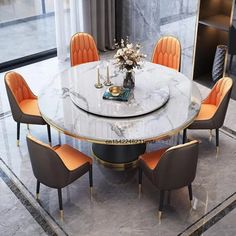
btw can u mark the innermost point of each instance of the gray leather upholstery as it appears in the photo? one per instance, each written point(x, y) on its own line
point(49, 169)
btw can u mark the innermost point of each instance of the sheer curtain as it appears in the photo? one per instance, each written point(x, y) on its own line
point(96, 17)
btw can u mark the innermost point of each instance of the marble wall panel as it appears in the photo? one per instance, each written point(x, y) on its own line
point(146, 21)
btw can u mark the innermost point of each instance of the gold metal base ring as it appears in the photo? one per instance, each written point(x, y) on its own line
point(116, 166)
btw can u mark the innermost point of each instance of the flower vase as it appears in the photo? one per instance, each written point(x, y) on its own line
point(129, 80)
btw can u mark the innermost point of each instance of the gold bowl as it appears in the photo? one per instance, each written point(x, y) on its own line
point(115, 90)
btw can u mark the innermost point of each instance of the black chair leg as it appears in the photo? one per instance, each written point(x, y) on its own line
point(184, 135)
point(18, 134)
point(49, 134)
point(190, 192)
point(91, 180)
point(37, 189)
point(60, 202)
point(230, 62)
point(217, 138)
point(140, 179)
point(161, 203)
point(169, 197)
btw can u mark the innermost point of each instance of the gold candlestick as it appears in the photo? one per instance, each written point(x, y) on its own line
point(108, 82)
point(98, 84)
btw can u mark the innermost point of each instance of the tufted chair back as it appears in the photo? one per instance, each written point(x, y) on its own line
point(82, 49)
point(219, 91)
point(17, 91)
point(167, 52)
point(219, 96)
point(18, 87)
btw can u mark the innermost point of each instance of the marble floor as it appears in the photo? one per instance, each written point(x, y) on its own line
point(19, 219)
point(115, 207)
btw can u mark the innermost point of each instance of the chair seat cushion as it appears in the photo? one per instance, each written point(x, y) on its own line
point(30, 107)
point(71, 157)
point(206, 112)
point(151, 159)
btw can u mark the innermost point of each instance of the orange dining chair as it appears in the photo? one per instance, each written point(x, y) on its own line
point(170, 168)
point(83, 49)
point(167, 52)
point(23, 103)
point(213, 108)
point(58, 166)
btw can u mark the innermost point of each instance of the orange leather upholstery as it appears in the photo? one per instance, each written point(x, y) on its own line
point(71, 157)
point(170, 169)
point(83, 49)
point(24, 97)
point(167, 52)
point(23, 103)
point(211, 104)
point(57, 167)
point(151, 159)
point(18, 87)
point(206, 112)
point(30, 107)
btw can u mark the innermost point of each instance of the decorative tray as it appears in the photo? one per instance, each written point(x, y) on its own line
point(122, 96)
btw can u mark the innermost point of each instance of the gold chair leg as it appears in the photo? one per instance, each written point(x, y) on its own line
point(159, 216)
point(91, 193)
point(139, 190)
point(217, 151)
point(18, 143)
point(37, 196)
point(210, 137)
point(62, 214)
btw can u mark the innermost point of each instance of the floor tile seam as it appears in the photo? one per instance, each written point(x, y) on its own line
point(214, 219)
point(5, 114)
point(195, 229)
point(23, 194)
point(228, 131)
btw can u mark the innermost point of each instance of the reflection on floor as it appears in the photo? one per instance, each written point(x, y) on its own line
point(115, 208)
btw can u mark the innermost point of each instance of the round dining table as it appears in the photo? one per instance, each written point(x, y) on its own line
point(162, 103)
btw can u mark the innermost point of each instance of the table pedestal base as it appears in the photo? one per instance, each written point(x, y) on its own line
point(119, 157)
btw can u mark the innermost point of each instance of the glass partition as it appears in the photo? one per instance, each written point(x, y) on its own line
point(26, 28)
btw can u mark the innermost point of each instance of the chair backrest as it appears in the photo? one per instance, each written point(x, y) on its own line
point(82, 49)
point(47, 166)
point(177, 166)
point(167, 52)
point(17, 91)
point(220, 96)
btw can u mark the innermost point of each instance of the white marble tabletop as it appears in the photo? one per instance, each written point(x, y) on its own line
point(58, 109)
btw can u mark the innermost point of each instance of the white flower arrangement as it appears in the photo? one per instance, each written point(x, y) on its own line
point(128, 56)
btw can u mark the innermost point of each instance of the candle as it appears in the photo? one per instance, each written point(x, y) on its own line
point(98, 76)
point(108, 80)
point(98, 84)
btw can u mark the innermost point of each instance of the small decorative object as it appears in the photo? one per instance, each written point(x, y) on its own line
point(115, 90)
point(127, 58)
point(98, 84)
point(117, 93)
point(219, 62)
point(108, 82)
